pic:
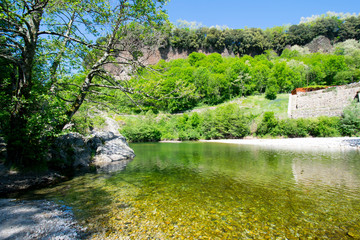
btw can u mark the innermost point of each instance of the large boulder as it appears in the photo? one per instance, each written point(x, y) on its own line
point(104, 149)
point(320, 44)
point(110, 148)
point(71, 150)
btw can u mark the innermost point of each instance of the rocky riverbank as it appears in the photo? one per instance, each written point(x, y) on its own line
point(37, 219)
point(13, 183)
point(105, 149)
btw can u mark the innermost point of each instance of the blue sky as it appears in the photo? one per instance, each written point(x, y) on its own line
point(254, 13)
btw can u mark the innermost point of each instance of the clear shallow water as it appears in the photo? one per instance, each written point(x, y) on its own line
point(220, 191)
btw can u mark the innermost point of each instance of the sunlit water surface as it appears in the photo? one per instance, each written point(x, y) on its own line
point(220, 191)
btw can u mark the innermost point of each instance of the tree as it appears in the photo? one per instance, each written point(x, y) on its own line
point(44, 42)
point(328, 27)
point(253, 42)
point(299, 34)
point(350, 29)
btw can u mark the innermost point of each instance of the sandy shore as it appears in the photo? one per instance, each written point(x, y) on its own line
point(315, 143)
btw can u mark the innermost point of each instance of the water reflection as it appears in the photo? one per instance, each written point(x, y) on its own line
point(112, 167)
point(333, 171)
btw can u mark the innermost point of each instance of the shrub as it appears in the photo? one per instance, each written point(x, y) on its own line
point(225, 122)
point(268, 125)
point(141, 133)
point(324, 127)
point(293, 128)
point(142, 129)
point(350, 120)
point(271, 93)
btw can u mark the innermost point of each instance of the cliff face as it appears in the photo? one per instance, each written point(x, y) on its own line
point(319, 44)
point(153, 55)
point(170, 53)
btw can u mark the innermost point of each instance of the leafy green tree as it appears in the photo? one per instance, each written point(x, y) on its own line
point(328, 27)
point(272, 88)
point(300, 34)
point(332, 65)
point(284, 76)
point(350, 29)
point(260, 74)
point(43, 42)
point(277, 38)
point(253, 42)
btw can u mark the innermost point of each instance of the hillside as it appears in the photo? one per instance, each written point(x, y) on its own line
point(256, 105)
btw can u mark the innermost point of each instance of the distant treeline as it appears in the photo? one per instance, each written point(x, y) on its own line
point(254, 41)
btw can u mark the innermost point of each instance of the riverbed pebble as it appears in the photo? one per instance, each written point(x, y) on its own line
point(37, 219)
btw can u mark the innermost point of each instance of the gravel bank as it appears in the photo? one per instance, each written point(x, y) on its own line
point(37, 219)
point(300, 143)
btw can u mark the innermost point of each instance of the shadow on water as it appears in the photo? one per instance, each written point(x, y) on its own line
point(85, 193)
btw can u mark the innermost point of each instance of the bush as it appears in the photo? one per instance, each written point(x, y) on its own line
point(324, 127)
point(268, 125)
point(350, 120)
point(271, 93)
point(225, 122)
point(317, 127)
point(293, 128)
point(141, 133)
point(142, 129)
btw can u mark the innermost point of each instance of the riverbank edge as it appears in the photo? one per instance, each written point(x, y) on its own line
point(347, 143)
point(38, 219)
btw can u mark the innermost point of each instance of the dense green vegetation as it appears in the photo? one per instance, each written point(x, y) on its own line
point(49, 67)
point(236, 120)
point(254, 41)
point(183, 84)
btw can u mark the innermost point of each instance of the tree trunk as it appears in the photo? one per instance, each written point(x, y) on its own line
point(21, 149)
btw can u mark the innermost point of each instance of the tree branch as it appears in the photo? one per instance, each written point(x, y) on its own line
point(10, 58)
point(60, 54)
point(103, 104)
point(71, 39)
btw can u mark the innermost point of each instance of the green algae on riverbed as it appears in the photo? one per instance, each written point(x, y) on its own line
point(219, 191)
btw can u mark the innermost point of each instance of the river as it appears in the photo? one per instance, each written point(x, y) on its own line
point(219, 191)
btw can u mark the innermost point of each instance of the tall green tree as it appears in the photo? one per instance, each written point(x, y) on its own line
point(43, 42)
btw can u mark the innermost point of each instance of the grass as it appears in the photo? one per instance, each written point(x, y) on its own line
point(258, 104)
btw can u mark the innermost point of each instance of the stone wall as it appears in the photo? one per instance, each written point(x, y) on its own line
point(326, 102)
